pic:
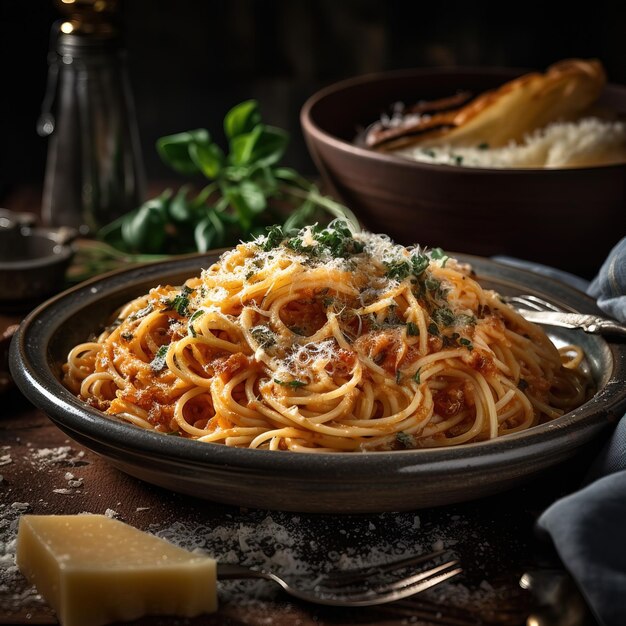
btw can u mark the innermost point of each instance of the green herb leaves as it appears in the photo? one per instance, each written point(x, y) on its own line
point(159, 360)
point(335, 240)
point(242, 198)
point(180, 303)
point(400, 269)
point(295, 384)
point(263, 336)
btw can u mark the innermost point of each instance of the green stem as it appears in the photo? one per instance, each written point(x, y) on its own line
point(333, 207)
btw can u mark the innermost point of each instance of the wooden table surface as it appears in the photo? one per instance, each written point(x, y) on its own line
point(44, 472)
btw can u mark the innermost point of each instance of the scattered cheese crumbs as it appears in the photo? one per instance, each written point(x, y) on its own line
point(63, 491)
point(94, 570)
point(111, 514)
point(20, 506)
point(43, 458)
point(72, 481)
point(142, 508)
point(5, 459)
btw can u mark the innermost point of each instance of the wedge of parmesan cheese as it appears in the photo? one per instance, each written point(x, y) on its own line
point(94, 570)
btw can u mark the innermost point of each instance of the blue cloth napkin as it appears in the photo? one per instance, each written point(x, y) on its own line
point(588, 527)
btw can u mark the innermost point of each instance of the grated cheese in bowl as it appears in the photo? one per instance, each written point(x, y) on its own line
point(587, 142)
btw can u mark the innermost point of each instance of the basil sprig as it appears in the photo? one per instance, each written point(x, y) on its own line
point(247, 192)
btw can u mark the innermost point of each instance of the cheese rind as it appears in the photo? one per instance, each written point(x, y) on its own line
point(94, 570)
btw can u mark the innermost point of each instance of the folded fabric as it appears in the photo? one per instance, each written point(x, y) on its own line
point(587, 530)
point(587, 527)
point(609, 286)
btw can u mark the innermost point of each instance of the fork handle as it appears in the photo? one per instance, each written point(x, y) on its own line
point(607, 327)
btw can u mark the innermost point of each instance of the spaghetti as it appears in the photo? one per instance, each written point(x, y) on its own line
point(328, 340)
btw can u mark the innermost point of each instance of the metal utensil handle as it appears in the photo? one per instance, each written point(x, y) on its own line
point(604, 326)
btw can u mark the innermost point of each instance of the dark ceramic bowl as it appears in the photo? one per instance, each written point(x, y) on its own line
point(324, 483)
point(33, 263)
point(567, 218)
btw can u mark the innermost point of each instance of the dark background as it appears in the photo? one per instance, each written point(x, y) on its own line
point(190, 61)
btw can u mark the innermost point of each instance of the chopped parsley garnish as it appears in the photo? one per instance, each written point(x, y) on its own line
point(433, 329)
point(432, 284)
point(336, 239)
point(158, 362)
point(400, 269)
point(466, 342)
point(483, 146)
point(439, 255)
point(263, 336)
point(450, 340)
point(195, 316)
point(398, 377)
point(405, 440)
point(443, 316)
point(180, 303)
point(412, 329)
point(465, 320)
point(416, 376)
point(274, 237)
point(522, 385)
point(126, 336)
point(290, 383)
point(142, 312)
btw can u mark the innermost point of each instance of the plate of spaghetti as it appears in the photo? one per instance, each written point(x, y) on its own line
point(322, 370)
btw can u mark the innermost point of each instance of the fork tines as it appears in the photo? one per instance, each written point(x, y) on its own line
point(389, 581)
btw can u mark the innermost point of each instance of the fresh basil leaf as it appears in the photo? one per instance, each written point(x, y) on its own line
point(179, 208)
point(209, 158)
point(144, 230)
point(253, 196)
point(236, 173)
point(270, 146)
point(243, 211)
point(209, 232)
point(174, 149)
point(242, 146)
point(242, 118)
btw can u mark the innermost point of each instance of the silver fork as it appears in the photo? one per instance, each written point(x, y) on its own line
point(366, 586)
point(540, 311)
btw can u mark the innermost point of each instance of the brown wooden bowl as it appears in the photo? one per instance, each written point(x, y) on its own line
point(566, 218)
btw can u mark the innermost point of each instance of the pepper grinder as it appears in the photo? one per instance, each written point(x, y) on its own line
point(94, 170)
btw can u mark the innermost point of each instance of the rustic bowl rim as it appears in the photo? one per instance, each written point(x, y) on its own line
point(310, 126)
